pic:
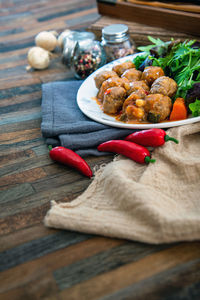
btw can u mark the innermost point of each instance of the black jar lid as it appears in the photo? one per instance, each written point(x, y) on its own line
point(115, 33)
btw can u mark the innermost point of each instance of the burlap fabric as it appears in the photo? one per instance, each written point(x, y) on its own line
point(155, 203)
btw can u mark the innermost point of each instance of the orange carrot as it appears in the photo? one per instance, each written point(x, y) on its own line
point(179, 110)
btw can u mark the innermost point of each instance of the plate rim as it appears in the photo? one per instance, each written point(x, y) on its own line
point(111, 121)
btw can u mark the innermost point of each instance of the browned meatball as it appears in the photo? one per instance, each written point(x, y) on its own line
point(140, 92)
point(121, 68)
point(132, 74)
point(113, 99)
point(130, 100)
point(102, 76)
point(157, 107)
point(135, 85)
point(165, 86)
point(135, 113)
point(150, 74)
point(111, 82)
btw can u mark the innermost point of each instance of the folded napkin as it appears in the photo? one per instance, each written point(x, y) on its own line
point(64, 124)
point(154, 203)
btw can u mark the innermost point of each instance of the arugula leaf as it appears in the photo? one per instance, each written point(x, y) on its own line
point(179, 60)
point(181, 63)
point(139, 59)
point(156, 42)
point(145, 48)
point(195, 108)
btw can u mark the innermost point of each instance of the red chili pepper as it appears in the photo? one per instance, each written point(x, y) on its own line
point(135, 152)
point(70, 158)
point(107, 92)
point(150, 138)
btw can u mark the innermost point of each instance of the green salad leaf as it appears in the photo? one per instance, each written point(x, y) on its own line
point(156, 42)
point(139, 59)
point(195, 108)
point(179, 60)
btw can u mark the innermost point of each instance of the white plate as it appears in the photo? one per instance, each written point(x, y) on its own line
point(87, 104)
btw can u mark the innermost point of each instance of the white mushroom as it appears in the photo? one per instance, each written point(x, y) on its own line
point(38, 58)
point(46, 40)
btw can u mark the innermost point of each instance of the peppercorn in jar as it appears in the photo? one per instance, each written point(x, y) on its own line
point(69, 42)
point(82, 53)
point(116, 41)
point(88, 56)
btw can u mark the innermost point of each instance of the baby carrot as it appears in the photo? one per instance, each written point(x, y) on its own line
point(179, 110)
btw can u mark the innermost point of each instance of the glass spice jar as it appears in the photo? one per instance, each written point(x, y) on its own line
point(116, 41)
point(69, 42)
point(88, 56)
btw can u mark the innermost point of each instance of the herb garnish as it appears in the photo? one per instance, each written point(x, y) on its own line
point(179, 60)
point(195, 108)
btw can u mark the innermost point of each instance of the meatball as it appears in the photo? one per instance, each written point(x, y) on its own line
point(132, 74)
point(121, 68)
point(135, 85)
point(135, 113)
point(130, 100)
point(138, 87)
point(164, 85)
point(140, 92)
point(113, 99)
point(150, 74)
point(102, 76)
point(157, 107)
point(111, 82)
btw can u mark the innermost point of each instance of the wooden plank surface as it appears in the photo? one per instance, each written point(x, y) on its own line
point(153, 16)
point(139, 33)
point(42, 263)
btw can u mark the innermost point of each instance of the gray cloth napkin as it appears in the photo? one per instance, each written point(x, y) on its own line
point(64, 124)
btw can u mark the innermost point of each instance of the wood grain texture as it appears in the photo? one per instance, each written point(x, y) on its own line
point(139, 33)
point(185, 6)
point(172, 19)
point(42, 263)
point(132, 273)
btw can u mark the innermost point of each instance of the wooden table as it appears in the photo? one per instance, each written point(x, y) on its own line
point(41, 263)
